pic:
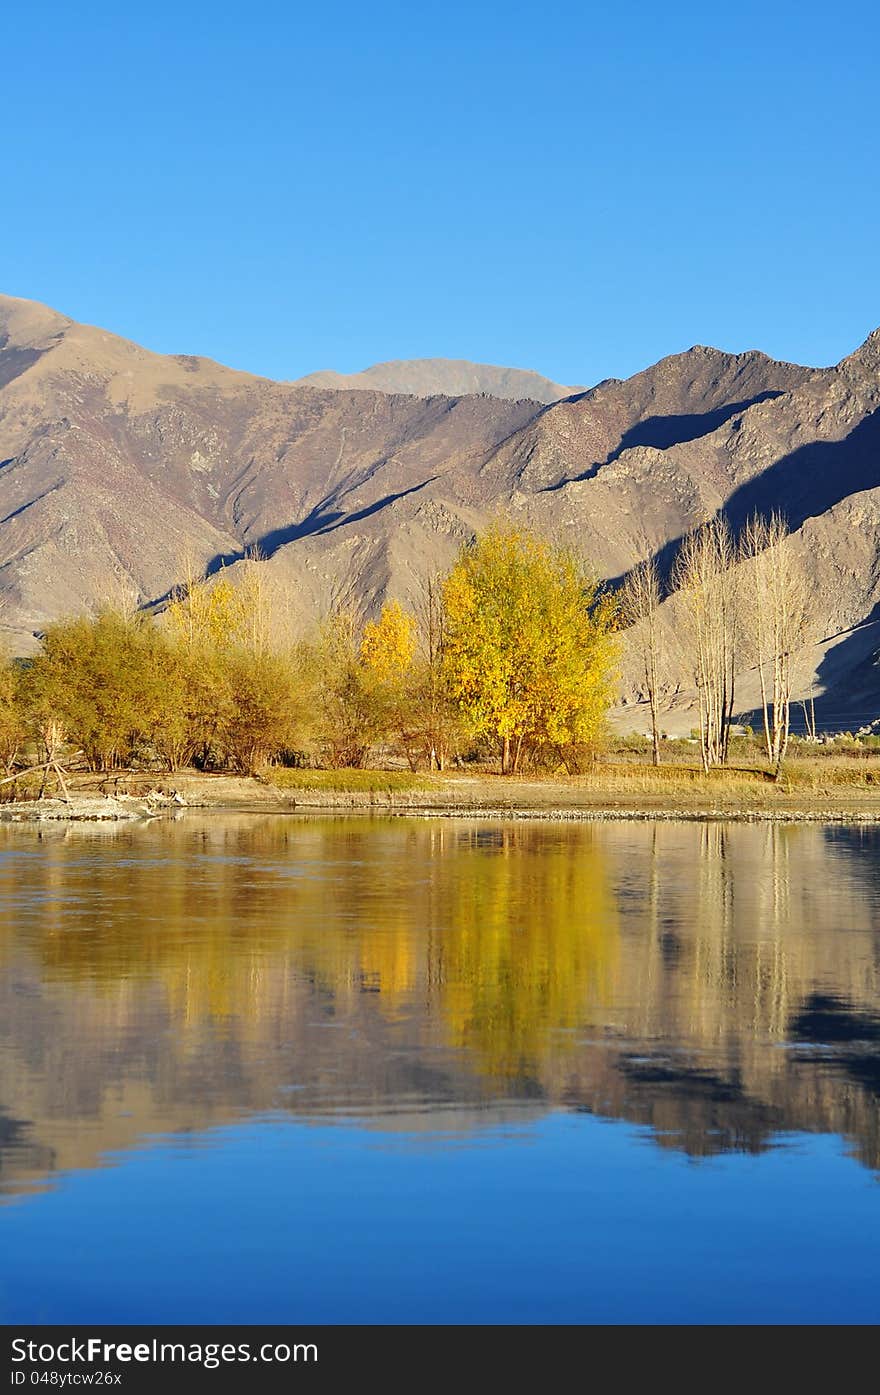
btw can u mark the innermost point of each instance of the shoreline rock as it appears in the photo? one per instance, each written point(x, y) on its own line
point(91, 809)
point(683, 815)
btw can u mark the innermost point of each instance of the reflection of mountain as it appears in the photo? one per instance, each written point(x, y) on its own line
point(718, 984)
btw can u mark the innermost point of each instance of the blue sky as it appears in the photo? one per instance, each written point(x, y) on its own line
point(577, 188)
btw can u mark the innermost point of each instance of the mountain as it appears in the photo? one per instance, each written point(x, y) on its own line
point(118, 467)
point(444, 377)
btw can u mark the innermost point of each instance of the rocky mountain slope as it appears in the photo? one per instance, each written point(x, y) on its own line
point(447, 377)
point(119, 467)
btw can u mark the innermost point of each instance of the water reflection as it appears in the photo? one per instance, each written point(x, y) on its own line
point(719, 984)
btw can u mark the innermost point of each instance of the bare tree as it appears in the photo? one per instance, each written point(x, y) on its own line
point(640, 599)
point(759, 625)
point(186, 595)
point(120, 592)
point(777, 622)
point(704, 574)
point(256, 602)
point(809, 708)
point(435, 713)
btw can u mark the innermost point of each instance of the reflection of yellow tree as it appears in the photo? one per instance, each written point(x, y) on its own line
point(502, 939)
point(219, 931)
point(498, 940)
point(527, 948)
point(201, 930)
point(507, 934)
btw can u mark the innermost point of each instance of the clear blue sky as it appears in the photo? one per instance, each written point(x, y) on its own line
point(578, 188)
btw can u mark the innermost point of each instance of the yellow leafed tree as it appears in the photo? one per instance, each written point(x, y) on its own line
point(530, 649)
point(11, 716)
point(389, 643)
point(403, 656)
point(206, 615)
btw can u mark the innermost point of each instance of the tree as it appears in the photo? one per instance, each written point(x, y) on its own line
point(387, 652)
point(350, 713)
point(255, 604)
point(187, 700)
point(640, 599)
point(259, 712)
point(200, 626)
point(89, 686)
point(389, 644)
point(437, 716)
point(404, 654)
point(777, 623)
point(12, 726)
point(206, 615)
point(529, 651)
point(704, 574)
point(234, 696)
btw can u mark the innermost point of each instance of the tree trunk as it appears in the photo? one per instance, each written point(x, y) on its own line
point(652, 697)
point(764, 710)
point(519, 742)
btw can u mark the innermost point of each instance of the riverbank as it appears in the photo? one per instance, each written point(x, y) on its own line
point(815, 790)
point(610, 793)
point(88, 807)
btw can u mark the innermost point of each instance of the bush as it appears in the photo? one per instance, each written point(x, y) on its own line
point(258, 712)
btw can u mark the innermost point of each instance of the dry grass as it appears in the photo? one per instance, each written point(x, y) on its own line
point(740, 782)
point(676, 781)
point(347, 781)
point(831, 773)
point(622, 779)
point(614, 781)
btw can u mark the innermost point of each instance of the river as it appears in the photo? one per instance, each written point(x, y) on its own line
point(356, 1069)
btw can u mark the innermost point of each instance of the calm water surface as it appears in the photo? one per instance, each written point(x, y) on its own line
point(272, 1068)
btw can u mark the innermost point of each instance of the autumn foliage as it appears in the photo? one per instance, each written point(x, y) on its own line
point(512, 654)
point(530, 650)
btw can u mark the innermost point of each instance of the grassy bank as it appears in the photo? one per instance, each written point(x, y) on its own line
point(621, 772)
point(807, 785)
point(618, 786)
point(348, 781)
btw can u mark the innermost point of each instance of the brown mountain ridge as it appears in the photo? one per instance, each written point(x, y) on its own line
point(117, 464)
point(446, 377)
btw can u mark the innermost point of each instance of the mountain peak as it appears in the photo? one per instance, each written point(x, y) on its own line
point(26, 324)
point(867, 355)
point(443, 377)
